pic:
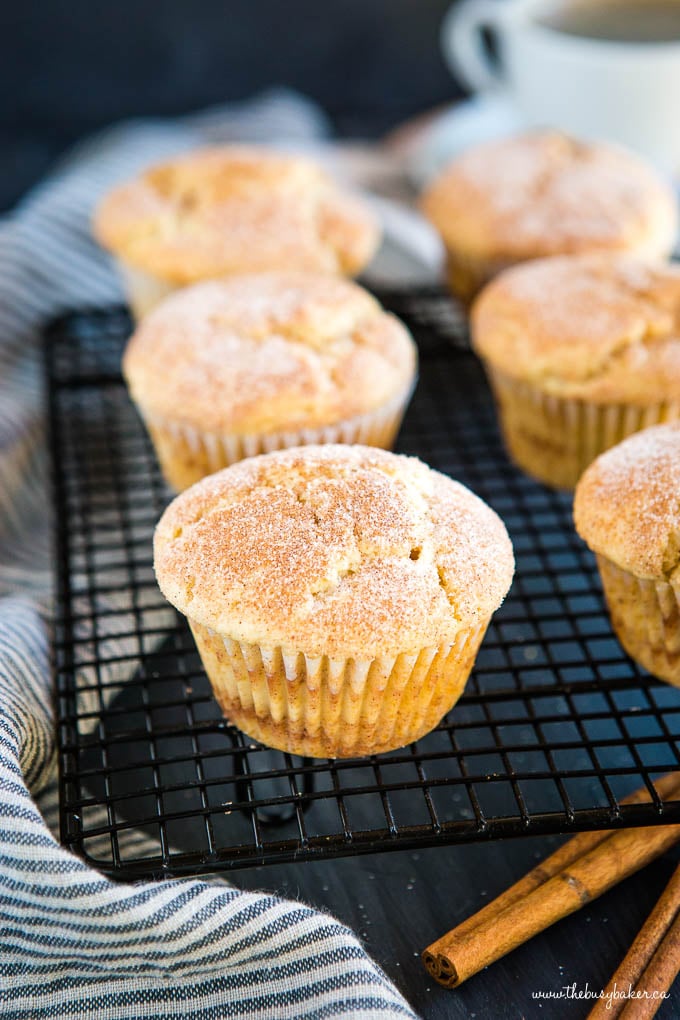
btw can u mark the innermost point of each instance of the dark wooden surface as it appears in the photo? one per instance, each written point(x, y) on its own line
point(400, 902)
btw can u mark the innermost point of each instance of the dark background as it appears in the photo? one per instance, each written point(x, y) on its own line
point(68, 67)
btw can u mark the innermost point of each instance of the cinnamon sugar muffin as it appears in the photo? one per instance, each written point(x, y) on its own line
point(225, 370)
point(627, 509)
point(540, 194)
point(337, 594)
point(580, 351)
point(230, 209)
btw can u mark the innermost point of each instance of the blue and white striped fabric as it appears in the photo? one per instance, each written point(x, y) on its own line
point(73, 944)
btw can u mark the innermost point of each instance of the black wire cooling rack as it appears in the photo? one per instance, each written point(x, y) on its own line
point(555, 727)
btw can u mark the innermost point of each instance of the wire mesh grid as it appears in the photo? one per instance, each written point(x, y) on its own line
point(555, 727)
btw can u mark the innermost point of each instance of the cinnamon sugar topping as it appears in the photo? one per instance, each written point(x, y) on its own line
point(267, 352)
point(544, 193)
point(344, 551)
point(601, 328)
point(230, 209)
point(627, 505)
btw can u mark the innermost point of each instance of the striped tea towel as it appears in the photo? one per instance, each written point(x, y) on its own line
point(73, 944)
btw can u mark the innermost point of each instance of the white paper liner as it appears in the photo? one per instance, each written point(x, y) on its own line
point(335, 707)
point(187, 454)
point(646, 617)
point(142, 290)
point(556, 438)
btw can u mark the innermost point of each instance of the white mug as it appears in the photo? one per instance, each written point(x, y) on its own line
point(626, 92)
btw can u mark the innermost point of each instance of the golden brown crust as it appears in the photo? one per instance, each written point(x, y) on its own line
point(268, 352)
point(336, 550)
point(232, 209)
point(627, 504)
point(591, 327)
point(544, 193)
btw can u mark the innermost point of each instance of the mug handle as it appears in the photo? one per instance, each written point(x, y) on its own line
point(463, 43)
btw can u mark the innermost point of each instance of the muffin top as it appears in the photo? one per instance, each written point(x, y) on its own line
point(588, 326)
point(627, 504)
point(336, 550)
point(544, 193)
point(266, 352)
point(233, 209)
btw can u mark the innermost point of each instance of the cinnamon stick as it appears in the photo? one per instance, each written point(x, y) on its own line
point(650, 965)
point(579, 871)
point(660, 974)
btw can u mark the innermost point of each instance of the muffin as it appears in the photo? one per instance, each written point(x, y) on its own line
point(541, 194)
point(337, 594)
point(229, 369)
point(627, 509)
point(230, 209)
point(580, 352)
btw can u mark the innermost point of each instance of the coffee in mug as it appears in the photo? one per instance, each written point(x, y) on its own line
point(635, 21)
point(597, 69)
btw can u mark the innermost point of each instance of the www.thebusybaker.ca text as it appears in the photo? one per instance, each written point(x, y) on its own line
point(574, 992)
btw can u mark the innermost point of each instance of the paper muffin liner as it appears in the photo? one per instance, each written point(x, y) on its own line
point(646, 618)
point(335, 707)
point(554, 439)
point(142, 290)
point(187, 454)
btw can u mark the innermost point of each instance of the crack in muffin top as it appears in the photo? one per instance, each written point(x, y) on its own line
point(627, 504)
point(346, 551)
point(268, 352)
point(601, 328)
point(544, 193)
point(230, 209)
